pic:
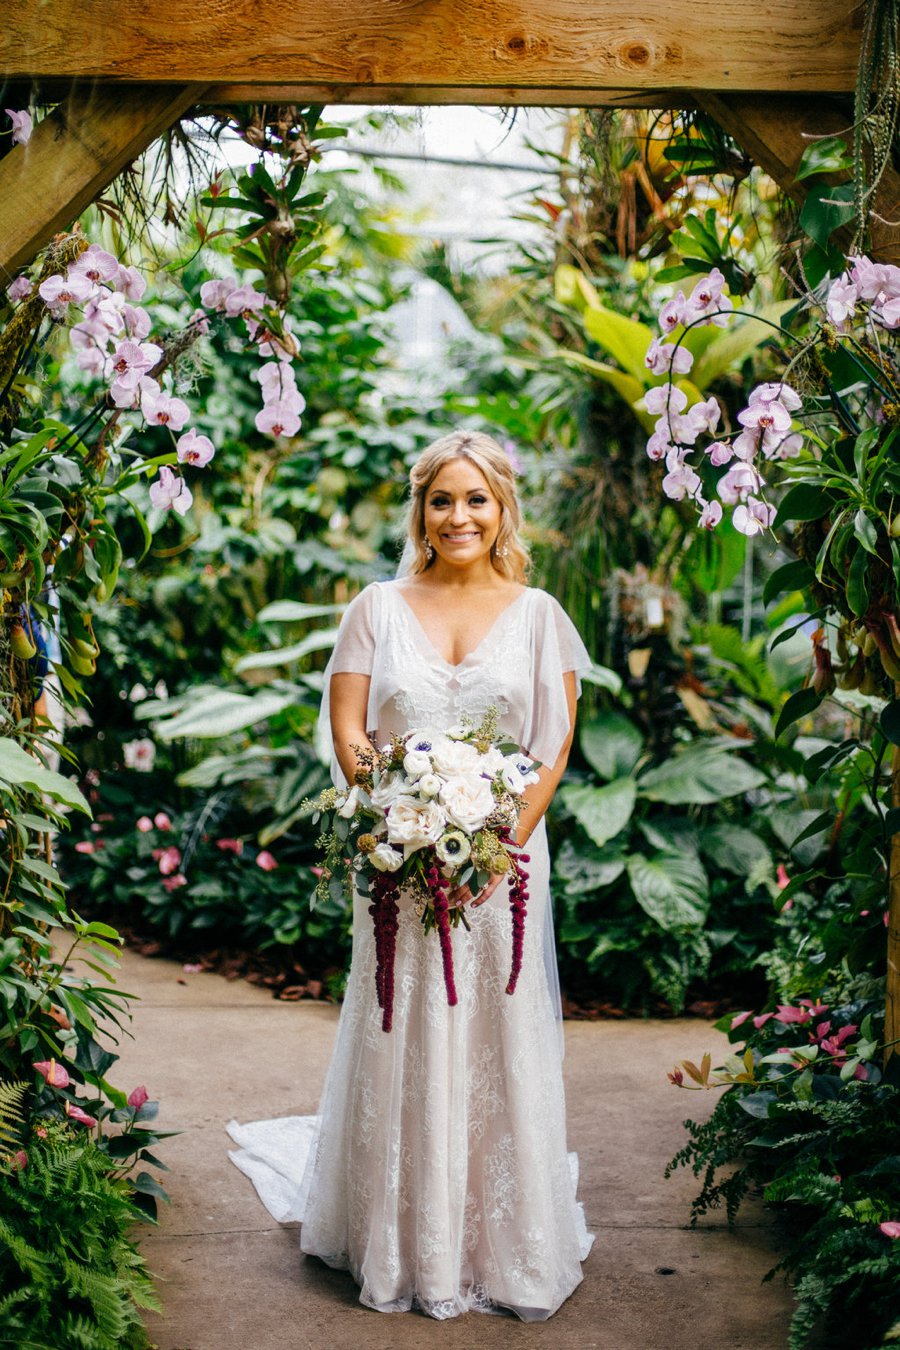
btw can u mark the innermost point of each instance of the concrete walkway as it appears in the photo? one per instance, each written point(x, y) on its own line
point(232, 1279)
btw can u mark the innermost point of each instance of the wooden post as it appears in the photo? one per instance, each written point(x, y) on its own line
point(72, 155)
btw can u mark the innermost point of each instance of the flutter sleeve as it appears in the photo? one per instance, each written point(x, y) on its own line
point(354, 652)
point(556, 648)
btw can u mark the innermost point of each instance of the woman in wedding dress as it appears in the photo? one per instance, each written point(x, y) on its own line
point(437, 1169)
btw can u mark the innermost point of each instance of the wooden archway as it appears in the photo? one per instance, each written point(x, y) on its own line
point(125, 71)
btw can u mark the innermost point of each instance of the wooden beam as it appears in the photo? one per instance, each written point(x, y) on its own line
point(72, 155)
point(428, 95)
point(444, 44)
point(775, 131)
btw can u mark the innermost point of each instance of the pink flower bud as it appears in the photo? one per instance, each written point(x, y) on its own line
point(144, 824)
point(53, 1072)
point(138, 1097)
point(676, 1077)
point(266, 861)
point(162, 821)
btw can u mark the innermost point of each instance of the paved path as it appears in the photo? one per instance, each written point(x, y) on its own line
point(231, 1278)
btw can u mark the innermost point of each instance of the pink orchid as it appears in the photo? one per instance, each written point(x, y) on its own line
point(719, 453)
point(169, 860)
point(22, 125)
point(681, 483)
point(138, 1096)
point(129, 396)
point(213, 294)
point(169, 490)
point(136, 322)
point(761, 416)
point(129, 281)
point(243, 300)
point(199, 322)
point(75, 1113)
point(19, 289)
point(131, 360)
point(890, 1228)
point(752, 517)
point(659, 445)
point(174, 882)
point(53, 1072)
point(738, 482)
point(664, 400)
point(162, 821)
point(840, 305)
point(192, 448)
point(665, 357)
point(788, 448)
point(707, 290)
point(95, 264)
point(58, 292)
point(266, 861)
point(277, 419)
point(699, 418)
point(888, 311)
point(710, 516)
point(674, 313)
point(164, 410)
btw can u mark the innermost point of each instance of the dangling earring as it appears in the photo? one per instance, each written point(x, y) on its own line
point(429, 548)
point(502, 551)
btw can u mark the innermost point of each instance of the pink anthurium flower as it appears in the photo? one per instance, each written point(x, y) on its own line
point(890, 1228)
point(169, 860)
point(75, 1113)
point(174, 882)
point(266, 861)
point(138, 1097)
point(19, 1160)
point(740, 1018)
point(231, 845)
point(162, 821)
point(53, 1072)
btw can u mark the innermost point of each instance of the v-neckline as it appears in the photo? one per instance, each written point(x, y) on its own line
point(443, 660)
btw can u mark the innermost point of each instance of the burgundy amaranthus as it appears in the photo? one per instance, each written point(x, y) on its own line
point(518, 904)
point(441, 903)
point(384, 911)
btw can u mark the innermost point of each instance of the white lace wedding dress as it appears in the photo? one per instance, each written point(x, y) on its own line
point(437, 1170)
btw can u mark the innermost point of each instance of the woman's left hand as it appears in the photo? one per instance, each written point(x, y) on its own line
point(462, 895)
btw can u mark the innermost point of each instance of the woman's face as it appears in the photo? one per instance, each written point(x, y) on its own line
point(462, 515)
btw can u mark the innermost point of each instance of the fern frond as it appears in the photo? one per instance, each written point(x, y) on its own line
point(12, 1113)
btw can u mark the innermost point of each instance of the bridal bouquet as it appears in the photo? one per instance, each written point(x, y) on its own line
point(427, 813)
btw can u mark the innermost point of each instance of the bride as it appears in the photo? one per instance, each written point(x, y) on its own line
point(437, 1170)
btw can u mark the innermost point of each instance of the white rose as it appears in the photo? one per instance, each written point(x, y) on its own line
point(415, 824)
point(492, 761)
point(453, 757)
point(468, 801)
point(349, 806)
point(416, 762)
point(384, 858)
point(429, 785)
point(388, 790)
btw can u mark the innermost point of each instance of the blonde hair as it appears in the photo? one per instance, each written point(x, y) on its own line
point(494, 463)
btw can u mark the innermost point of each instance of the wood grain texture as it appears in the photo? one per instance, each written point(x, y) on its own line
point(775, 130)
point(71, 157)
point(790, 45)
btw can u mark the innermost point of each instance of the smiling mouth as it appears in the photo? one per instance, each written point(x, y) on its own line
point(459, 538)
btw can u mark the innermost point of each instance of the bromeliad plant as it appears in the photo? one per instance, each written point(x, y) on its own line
point(427, 813)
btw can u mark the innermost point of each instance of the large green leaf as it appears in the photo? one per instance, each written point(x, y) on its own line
point(282, 656)
point(699, 776)
point(21, 770)
point(734, 848)
point(672, 888)
point(602, 812)
point(222, 713)
point(291, 611)
point(611, 744)
point(734, 345)
point(626, 340)
point(629, 388)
